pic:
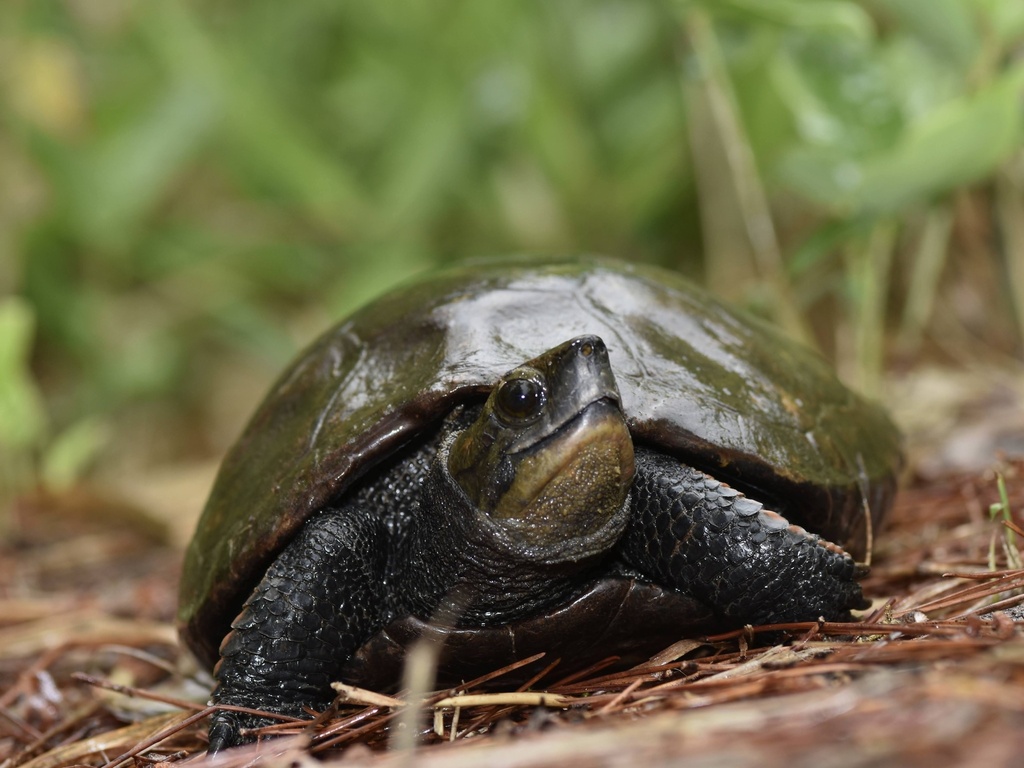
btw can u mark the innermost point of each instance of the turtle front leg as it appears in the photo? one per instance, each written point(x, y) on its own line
point(695, 534)
point(318, 602)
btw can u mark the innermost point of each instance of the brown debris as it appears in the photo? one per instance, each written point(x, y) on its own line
point(933, 674)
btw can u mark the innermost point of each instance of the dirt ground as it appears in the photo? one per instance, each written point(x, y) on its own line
point(91, 672)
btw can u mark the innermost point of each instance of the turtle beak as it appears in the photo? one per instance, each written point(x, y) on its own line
point(577, 374)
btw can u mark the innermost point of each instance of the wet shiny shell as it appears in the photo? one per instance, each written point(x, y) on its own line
point(699, 381)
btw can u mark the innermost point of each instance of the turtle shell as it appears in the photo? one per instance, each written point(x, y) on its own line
point(717, 389)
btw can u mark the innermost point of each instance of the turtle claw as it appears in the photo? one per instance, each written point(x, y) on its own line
point(224, 732)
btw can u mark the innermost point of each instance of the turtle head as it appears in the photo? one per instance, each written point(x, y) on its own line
point(549, 460)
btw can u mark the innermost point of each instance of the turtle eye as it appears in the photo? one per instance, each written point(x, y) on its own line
point(520, 399)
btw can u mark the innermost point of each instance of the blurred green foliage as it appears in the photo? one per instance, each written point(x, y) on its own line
point(192, 186)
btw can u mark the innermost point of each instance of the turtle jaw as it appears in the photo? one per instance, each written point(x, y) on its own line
point(567, 498)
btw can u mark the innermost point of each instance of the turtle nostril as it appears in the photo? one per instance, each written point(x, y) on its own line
point(589, 346)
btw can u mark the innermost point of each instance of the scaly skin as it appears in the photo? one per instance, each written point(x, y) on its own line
point(690, 532)
point(317, 603)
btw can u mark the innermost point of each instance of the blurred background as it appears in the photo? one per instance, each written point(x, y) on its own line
point(190, 192)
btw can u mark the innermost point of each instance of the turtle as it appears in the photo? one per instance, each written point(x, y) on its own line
point(579, 456)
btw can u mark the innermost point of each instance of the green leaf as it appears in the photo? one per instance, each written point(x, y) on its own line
point(128, 173)
point(823, 16)
point(947, 26)
point(70, 452)
point(956, 144)
point(1003, 19)
point(262, 138)
point(22, 415)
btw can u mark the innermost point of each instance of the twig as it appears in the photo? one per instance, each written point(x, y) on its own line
point(137, 693)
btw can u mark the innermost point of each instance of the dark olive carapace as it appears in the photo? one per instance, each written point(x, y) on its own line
point(698, 382)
